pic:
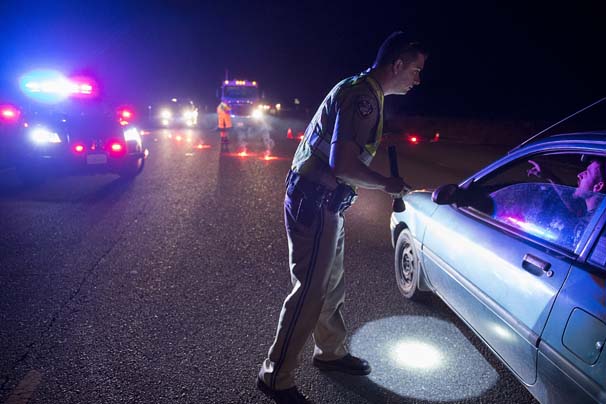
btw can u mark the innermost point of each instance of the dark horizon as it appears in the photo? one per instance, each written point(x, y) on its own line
point(486, 61)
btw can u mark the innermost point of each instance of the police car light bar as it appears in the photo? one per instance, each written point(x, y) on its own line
point(51, 86)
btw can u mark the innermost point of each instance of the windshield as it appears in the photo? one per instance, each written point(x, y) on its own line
point(241, 92)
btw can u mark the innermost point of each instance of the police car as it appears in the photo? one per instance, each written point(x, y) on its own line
point(61, 128)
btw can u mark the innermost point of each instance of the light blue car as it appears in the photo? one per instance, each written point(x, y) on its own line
point(518, 251)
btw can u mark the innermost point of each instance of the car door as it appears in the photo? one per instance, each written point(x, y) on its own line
point(501, 261)
point(571, 363)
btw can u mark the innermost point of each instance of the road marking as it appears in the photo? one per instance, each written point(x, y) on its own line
point(24, 391)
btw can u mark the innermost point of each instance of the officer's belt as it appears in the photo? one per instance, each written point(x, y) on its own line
point(336, 200)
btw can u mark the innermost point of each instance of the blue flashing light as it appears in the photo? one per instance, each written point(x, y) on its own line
point(45, 85)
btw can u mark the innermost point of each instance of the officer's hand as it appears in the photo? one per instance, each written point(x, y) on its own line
point(396, 187)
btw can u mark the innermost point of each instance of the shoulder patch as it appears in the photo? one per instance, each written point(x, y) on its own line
point(365, 106)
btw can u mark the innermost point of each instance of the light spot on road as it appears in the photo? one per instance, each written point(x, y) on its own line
point(423, 358)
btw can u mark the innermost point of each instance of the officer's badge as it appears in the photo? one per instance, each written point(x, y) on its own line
point(365, 107)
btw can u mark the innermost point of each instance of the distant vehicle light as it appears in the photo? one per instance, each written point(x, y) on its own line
point(414, 139)
point(173, 99)
point(254, 83)
point(188, 114)
point(226, 82)
point(132, 134)
point(278, 107)
point(166, 114)
point(9, 113)
point(257, 114)
point(164, 122)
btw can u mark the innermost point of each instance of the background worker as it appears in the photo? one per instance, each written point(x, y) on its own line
point(330, 163)
point(224, 121)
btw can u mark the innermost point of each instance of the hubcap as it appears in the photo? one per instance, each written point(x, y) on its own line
point(407, 267)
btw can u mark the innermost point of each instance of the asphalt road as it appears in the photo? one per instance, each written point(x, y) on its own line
point(168, 288)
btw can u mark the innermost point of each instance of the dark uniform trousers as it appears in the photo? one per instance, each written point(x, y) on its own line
point(315, 241)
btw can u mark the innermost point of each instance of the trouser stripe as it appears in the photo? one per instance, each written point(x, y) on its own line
point(306, 286)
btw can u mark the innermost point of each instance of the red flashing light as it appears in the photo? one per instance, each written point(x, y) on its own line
point(9, 113)
point(414, 139)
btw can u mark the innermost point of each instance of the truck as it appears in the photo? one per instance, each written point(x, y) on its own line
point(242, 96)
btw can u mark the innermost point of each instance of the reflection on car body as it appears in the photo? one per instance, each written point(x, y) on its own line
point(522, 261)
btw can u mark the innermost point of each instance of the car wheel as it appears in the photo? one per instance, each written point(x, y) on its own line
point(407, 266)
point(133, 169)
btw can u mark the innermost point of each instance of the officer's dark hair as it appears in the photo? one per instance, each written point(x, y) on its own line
point(395, 47)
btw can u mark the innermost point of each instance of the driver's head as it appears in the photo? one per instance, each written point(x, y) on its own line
point(592, 179)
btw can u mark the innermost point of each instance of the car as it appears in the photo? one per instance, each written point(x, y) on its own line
point(178, 113)
point(518, 252)
point(75, 139)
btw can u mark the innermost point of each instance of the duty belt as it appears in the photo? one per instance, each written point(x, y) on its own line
point(336, 200)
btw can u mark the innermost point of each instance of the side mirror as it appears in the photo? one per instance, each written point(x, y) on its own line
point(445, 194)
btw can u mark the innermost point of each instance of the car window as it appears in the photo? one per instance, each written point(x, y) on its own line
point(598, 254)
point(544, 198)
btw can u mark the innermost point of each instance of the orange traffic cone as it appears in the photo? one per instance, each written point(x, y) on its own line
point(289, 134)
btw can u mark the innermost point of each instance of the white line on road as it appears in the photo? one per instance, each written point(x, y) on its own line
point(26, 387)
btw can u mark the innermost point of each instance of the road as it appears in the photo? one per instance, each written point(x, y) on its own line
point(168, 288)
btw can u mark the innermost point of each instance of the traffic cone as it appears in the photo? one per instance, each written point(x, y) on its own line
point(289, 134)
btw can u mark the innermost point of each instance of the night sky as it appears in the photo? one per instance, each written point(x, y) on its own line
point(486, 60)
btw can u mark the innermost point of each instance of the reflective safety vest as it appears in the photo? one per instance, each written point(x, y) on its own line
point(319, 140)
point(223, 116)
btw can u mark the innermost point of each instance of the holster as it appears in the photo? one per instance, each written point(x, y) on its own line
point(336, 201)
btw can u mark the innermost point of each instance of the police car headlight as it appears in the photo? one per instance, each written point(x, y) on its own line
point(42, 135)
point(132, 134)
point(257, 114)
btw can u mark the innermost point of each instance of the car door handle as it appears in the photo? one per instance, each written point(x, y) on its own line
point(532, 263)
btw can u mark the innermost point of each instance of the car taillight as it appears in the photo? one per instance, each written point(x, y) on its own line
point(9, 113)
point(116, 147)
point(78, 148)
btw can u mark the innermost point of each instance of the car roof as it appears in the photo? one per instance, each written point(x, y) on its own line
point(592, 138)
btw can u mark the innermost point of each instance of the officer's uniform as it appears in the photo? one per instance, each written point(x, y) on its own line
point(313, 211)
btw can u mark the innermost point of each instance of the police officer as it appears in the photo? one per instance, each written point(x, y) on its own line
point(329, 165)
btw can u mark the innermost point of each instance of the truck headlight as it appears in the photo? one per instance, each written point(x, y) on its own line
point(166, 114)
point(257, 114)
point(42, 135)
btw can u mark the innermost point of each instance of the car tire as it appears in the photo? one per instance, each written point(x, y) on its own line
point(133, 168)
point(407, 267)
